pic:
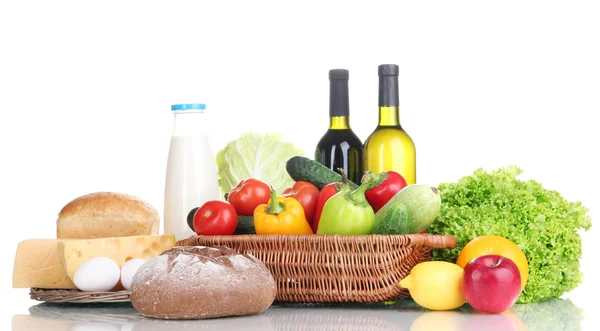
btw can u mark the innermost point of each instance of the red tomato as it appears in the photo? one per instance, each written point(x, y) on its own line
point(215, 217)
point(248, 194)
point(307, 194)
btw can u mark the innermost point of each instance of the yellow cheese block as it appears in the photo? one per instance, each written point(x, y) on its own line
point(72, 253)
point(37, 265)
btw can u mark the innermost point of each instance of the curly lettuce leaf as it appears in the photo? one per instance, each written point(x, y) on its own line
point(257, 155)
point(540, 221)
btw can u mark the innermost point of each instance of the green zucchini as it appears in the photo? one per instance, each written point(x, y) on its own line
point(301, 168)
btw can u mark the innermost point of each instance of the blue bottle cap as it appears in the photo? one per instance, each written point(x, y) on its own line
point(188, 106)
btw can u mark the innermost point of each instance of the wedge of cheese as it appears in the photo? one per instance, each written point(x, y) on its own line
point(37, 265)
point(72, 253)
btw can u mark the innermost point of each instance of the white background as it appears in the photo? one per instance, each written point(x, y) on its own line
point(86, 89)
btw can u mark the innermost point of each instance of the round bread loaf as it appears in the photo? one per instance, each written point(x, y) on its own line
point(196, 282)
point(106, 214)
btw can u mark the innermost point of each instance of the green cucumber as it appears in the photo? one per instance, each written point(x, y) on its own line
point(190, 218)
point(301, 168)
point(245, 225)
point(411, 210)
point(395, 220)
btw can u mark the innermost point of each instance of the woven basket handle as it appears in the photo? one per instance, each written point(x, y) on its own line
point(439, 241)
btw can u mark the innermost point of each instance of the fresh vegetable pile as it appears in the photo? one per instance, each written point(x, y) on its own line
point(317, 200)
point(499, 221)
point(541, 222)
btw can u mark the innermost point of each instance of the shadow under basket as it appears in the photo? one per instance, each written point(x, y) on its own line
point(334, 268)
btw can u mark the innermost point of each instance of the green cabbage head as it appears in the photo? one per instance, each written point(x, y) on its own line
point(258, 155)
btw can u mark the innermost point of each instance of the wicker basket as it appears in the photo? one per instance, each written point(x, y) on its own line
point(334, 268)
point(77, 296)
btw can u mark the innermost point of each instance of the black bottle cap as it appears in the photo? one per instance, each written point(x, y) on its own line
point(339, 74)
point(338, 92)
point(388, 85)
point(389, 70)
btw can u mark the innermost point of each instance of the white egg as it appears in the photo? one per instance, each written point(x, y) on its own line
point(97, 274)
point(128, 271)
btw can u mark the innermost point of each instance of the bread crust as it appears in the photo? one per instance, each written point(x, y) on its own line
point(106, 214)
point(199, 282)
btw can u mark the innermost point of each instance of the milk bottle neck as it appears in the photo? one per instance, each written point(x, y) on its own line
point(190, 123)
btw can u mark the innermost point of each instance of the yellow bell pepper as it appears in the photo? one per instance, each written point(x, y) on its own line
point(282, 215)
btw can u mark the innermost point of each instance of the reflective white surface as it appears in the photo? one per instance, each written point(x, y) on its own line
point(85, 86)
point(560, 314)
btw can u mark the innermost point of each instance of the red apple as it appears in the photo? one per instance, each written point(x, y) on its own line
point(491, 283)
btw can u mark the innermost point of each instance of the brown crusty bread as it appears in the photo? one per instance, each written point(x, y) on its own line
point(106, 214)
point(196, 282)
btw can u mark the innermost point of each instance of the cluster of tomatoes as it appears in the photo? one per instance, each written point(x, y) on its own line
point(220, 217)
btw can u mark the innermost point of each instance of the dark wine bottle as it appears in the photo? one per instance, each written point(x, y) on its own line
point(340, 147)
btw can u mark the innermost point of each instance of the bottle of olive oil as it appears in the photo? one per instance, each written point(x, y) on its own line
point(340, 147)
point(389, 147)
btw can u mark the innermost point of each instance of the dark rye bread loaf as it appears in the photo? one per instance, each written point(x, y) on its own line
point(187, 282)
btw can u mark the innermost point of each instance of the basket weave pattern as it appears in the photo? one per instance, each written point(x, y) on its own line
point(334, 268)
point(77, 296)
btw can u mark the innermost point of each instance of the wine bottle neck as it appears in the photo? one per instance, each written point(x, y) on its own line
point(339, 123)
point(338, 98)
point(388, 91)
point(389, 102)
point(389, 116)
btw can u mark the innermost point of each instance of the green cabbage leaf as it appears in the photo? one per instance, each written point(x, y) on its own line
point(540, 221)
point(256, 155)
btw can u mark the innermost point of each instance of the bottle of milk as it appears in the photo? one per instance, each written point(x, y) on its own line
point(191, 177)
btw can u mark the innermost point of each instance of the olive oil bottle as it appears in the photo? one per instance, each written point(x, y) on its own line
point(389, 147)
point(340, 147)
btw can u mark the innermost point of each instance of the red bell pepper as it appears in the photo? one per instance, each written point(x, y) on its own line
point(387, 184)
point(327, 192)
point(307, 194)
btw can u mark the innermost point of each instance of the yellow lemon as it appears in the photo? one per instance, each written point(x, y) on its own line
point(435, 285)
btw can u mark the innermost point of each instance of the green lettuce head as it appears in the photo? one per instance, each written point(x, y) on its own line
point(540, 221)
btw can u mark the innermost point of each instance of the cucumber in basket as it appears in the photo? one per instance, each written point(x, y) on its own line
point(304, 169)
point(245, 225)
